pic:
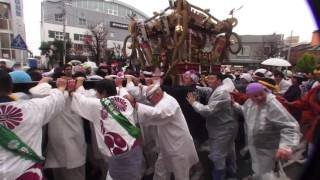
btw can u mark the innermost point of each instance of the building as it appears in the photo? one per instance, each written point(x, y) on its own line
point(298, 50)
point(291, 40)
point(11, 24)
point(255, 49)
point(80, 14)
point(315, 41)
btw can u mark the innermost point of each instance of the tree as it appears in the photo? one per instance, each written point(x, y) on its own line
point(307, 63)
point(97, 42)
point(271, 46)
point(54, 49)
point(44, 48)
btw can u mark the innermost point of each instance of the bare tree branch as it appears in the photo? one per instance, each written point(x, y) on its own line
point(97, 43)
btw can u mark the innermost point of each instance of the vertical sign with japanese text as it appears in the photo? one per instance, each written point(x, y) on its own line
point(18, 8)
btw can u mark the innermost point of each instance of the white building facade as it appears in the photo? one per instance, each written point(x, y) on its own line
point(80, 14)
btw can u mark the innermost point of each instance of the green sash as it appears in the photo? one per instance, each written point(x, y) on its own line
point(120, 118)
point(10, 141)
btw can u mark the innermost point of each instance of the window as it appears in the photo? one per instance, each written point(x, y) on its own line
point(5, 53)
point(113, 12)
point(4, 40)
point(4, 11)
point(57, 35)
point(76, 37)
point(4, 17)
point(82, 21)
point(58, 17)
point(51, 34)
point(79, 37)
point(4, 24)
point(245, 51)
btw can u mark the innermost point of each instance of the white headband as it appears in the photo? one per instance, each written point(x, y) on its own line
point(154, 88)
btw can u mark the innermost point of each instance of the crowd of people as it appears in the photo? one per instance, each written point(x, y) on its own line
point(137, 124)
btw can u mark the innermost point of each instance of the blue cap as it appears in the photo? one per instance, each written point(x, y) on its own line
point(20, 77)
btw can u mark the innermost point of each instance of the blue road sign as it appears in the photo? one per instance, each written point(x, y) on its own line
point(18, 43)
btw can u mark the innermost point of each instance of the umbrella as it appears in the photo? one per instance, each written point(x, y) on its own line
point(276, 62)
point(9, 63)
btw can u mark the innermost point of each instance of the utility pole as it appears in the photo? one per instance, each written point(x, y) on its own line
point(64, 14)
point(289, 50)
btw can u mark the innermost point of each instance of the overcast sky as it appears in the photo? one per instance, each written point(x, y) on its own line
point(256, 16)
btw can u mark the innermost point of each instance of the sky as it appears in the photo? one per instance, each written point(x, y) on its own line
point(256, 17)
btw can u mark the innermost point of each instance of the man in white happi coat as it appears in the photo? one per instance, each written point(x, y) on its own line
point(66, 150)
point(148, 132)
point(24, 119)
point(177, 150)
point(113, 120)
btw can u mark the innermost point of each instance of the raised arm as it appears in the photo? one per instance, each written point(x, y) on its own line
point(215, 104)
point(289, 129)
point(51, 105)
point(149, 115)
point(87, 107)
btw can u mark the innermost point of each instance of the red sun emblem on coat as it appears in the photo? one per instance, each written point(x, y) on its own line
point(116, 144)
point(10, 116)
point(119, 103)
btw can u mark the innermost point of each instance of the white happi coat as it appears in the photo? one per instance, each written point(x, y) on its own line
point(284, 86)
point(105, 126)
point(174, 139)
point(66, 141)
point(25, 119)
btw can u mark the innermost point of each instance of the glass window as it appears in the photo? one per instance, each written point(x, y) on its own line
point(80, 4)
point(82, 21)
point(51, 34)
point(5, 53)
point(79, 37)
point(86, 4)
point(113, 12)
point(91, 5)
point(58, 17)
point(76, 37)
point(245, 51)
point(101, 6)
point(4, 11)
point(123, 12)
point(106, 7)
point(4, 24)
point(58, 35)
point(4, 40)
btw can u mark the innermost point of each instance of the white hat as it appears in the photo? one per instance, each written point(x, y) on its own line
point(288, 73)
point(159, 74)
point(247, 77)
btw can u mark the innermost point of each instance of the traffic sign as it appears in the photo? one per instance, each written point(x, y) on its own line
point(18, 43)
